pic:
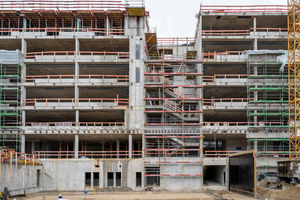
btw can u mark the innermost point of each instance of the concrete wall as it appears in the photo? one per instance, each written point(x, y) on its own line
point(232, 144)
point(215, 173)
point(21, 182)
point(67, 175)
point(127, 167)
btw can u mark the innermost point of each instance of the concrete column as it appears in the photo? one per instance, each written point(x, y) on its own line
point(107, 26)
point(255, 95)
point(255, 71)
point(78, 24)
point(118, 147)
point(76, 146)
point(77, 47)
point(199, 50)
point(103, 148)
point(254, 29)
point(24, 47)
point(255, 146)
point(24, 23)
point(22, 143)
point(32, 147)
point(130, 146)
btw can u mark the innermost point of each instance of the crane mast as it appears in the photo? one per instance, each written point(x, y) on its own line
point(294, 77)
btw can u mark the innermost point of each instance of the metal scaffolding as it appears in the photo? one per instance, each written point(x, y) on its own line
point(268, 108)
point(10, 99)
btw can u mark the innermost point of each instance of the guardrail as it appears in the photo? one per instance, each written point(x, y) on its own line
point(213, 55)
point(74, 125)
point(269, 30)
point(211, 79)
point(225, 32)
point(75, 102)
point(72, 54)
point(258, 154)
point(210, 102)
point(87, 154)
point(60, 78)
point(243, 9)
point(60, 31)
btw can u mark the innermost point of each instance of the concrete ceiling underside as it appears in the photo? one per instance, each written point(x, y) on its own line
point(50, 92)
point(210, 70)
point(223, 136)
point(10, 44)
point(224, 116)
point(38, 45)
point(53, 69)
point(116, 45)
point(242, 22)
point(225, 92)
point(103, 92)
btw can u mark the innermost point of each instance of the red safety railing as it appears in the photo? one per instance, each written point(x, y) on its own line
point(225, 32)
point(72, 54)
point(58, 101)
point(88, 154)
point(213, 55)
point(243, 9)
point(279, 30)
point(270, 154)
point(210, 102)
point(61, 5)
point(60, 78)
point(211, 79)
point(60, 31)
point(73, 125)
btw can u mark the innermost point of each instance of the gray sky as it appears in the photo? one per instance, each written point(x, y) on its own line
point(176, 18)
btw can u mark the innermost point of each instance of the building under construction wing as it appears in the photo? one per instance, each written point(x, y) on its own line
point(95, 91)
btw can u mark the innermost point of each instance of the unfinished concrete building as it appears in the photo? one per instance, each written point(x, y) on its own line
point(97, 93)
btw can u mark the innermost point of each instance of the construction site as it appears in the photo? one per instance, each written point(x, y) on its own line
point(92, 99)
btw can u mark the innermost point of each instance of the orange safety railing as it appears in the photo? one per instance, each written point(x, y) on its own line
point(210, 102)
point(47, 78)
point(59, 31)
point(225, 32)
point(213, 55)
point(62, 5)
point(89, 154)
point(116, 101)
point(243, 9)
point(73, 125)
point(272, 154)
point(72, 54)
point(210, 79)
point(269, 30)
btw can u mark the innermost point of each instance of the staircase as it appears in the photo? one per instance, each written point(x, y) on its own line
point(173, 106)
point(174, 93)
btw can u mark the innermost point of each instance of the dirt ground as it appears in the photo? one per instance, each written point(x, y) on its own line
point(287, 194)
point(135, 196)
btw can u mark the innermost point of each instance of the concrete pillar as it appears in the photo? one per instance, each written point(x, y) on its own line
point(107, 26)
point(24, 46)
point(130, 146)
point(254, 29)
point(199, 50)
point(103, 148)
point(32, 147)
point(255, 71)
point(76, 146)
point(255, 146)
point(118, 147)
point(22, 143)
point(24, 23)
point(254, 25)
point(78, 24)
point(255, 95)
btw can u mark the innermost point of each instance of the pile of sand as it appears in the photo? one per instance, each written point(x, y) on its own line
point(291, 193)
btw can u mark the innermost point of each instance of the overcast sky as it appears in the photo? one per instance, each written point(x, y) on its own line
point(176, 18)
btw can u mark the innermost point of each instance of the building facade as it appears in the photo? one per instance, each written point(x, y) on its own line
point(96, 87)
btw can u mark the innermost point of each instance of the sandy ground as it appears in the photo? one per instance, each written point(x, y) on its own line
point(133, 196)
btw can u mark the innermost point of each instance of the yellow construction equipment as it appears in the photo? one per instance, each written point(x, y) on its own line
point(294, 77)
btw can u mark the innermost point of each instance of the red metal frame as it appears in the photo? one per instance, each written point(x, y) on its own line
point(243, 9)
